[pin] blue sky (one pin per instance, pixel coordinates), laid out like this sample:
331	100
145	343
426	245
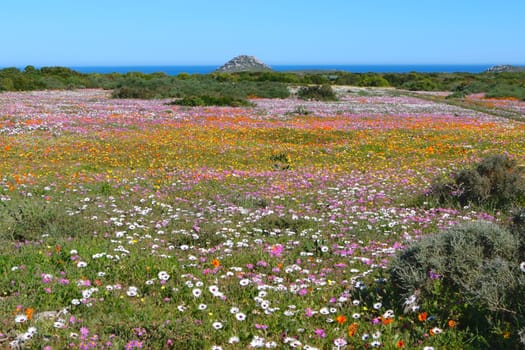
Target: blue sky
199	32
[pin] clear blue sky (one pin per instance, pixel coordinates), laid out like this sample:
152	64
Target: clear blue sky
200	32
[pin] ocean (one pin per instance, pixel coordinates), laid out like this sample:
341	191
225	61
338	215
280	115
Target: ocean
175	70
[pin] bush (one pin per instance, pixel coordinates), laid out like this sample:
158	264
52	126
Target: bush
205	100
319	93
496	182
505	91
469	273
29	219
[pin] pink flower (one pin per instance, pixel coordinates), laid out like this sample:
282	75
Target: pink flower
320	333
308	312
276	250
84	332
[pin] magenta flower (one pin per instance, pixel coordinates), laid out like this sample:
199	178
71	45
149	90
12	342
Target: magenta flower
320	333
276	250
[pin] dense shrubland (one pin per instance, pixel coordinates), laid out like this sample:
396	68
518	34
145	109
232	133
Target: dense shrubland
261	84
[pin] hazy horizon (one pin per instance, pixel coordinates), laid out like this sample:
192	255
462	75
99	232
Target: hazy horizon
203	33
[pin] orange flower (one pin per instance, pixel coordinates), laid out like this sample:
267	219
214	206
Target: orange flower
216	263
341	319
386	321
452	323
29	313
422	316
400	343
352	329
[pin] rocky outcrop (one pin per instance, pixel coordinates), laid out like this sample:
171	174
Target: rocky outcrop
505	68
243	63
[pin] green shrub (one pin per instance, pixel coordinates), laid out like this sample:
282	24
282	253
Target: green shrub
205	100
506	90
318	92
496	182
424	84
518	228
469	273
29	219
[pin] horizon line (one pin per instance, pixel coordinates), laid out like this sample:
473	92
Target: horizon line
270	64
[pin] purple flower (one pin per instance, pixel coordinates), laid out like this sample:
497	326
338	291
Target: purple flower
434	276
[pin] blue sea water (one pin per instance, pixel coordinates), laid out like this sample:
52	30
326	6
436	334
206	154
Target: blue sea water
175	70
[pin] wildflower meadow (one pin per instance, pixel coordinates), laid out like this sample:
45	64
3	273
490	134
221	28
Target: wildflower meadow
136	224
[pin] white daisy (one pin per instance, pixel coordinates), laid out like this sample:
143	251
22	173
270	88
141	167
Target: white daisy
132	291
217	325
389	314
81	264
59	324
436	330
240	316
410	300
214	290
163	276
20	318
234	340
340	342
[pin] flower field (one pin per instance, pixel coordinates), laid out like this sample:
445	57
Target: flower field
131	224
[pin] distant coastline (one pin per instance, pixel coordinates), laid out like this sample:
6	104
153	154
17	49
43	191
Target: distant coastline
206	69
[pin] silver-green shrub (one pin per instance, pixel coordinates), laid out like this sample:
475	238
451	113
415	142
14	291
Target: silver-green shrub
496	182
471	272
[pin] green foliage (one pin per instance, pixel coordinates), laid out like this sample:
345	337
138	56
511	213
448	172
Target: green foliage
281	161
468	273
319	93
300	110
496	182
275	223
205	100
261	84
421	85
505	90
29	219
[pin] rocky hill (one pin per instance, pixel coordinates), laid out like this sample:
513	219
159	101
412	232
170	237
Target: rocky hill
243	63
505	68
